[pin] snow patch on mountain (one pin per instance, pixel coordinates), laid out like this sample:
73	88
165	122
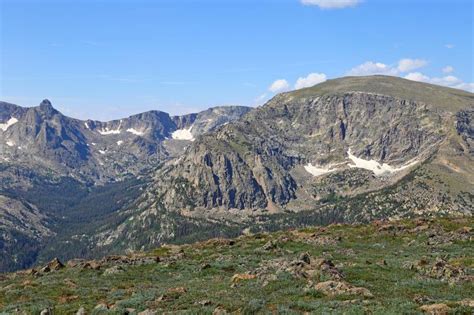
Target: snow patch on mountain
10	122
135	132
374	166
183	134
318	170
107	131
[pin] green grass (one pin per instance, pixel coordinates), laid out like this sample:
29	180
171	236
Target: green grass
440	97
357	253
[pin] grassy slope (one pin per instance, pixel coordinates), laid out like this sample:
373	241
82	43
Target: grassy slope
443	98
205	270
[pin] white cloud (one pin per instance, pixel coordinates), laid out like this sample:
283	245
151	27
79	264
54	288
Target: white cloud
466	86
417	76
449	46
332	4
310	80
279	86
448	69
405	65
449	81
371	68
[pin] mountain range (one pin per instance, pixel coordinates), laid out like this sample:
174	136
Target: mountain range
349	150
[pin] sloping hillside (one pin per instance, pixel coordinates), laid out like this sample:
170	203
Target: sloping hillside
407	266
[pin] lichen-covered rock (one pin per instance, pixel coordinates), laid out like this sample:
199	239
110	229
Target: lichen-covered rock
334	288
436	309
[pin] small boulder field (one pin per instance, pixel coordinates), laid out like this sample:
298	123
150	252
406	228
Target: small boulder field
412	266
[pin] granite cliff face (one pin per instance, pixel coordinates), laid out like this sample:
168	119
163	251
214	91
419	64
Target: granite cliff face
259	161
351	149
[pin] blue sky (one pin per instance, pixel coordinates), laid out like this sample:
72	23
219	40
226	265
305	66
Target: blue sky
109	59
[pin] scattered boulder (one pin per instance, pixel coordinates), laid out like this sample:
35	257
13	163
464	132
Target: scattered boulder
53	265
219	311
465	230
136	259
216	242
81	311
27	283
466	302
94	265
242	276
436	309
147	312
327	267
101	307
204	303
29	272
305	257
74	263
334	288
316	239
441	270
421	299
47	311
270	245
420	228
303	267
70	283
113	270
204	266
391	228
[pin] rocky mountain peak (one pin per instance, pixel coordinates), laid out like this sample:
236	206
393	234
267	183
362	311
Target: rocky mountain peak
47	108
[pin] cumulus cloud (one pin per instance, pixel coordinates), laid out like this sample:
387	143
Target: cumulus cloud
466	86
332	4
405	65
449	46
310	80
371	68
449	81
417	76
448	69
403	68
279	86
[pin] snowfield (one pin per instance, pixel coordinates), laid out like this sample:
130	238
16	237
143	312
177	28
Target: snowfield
135	132
109	132
8	124
377	168
183	134
374	166
318	170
